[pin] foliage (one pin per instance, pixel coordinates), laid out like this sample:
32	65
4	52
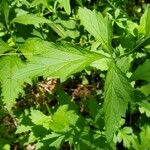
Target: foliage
74	75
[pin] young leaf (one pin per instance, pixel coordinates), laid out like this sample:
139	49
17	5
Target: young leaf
98	26
142	72
4	47
56	60
145	22
63	119
117	95
10	87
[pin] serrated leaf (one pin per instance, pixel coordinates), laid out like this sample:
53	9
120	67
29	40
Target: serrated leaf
38	118
117	95
56	60
98	26
63	119
22	128
4	47
142	72
10	87
126	135
145	22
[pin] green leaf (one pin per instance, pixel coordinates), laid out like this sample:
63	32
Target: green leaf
38	2
142	72
145	108
4	144
6	9
10	87
98	26
144	142
30	19
145	22
54	139
126	135
58	29
145	89
4	47
38	118
117	95
56	60
145	138
63	119
57	142
66	5
22	129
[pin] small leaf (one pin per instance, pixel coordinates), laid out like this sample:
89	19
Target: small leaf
98	26
22	128
117	95
38	118
142	72
145	22
63	119
145	108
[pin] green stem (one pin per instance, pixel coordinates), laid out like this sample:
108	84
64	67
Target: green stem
48	109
